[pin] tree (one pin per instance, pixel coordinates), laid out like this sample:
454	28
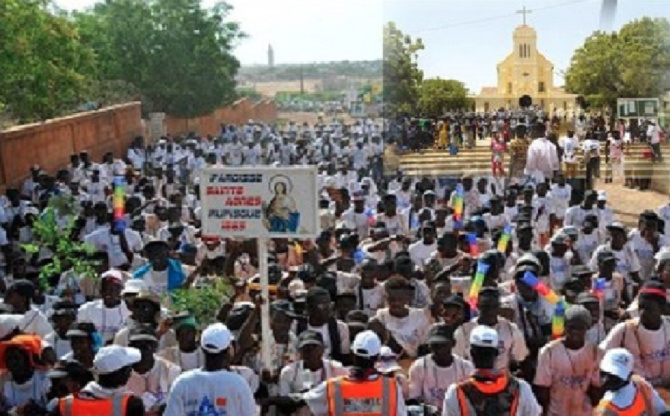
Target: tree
439	95
44	67
401	72
631	63
175	52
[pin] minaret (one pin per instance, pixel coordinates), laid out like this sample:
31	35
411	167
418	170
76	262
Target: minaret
271	57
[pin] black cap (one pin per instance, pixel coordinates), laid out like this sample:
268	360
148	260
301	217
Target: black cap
309	337
64	308
69	368
454	300
580	271
81	329
142	333
617	225
440	333
605	255
586	297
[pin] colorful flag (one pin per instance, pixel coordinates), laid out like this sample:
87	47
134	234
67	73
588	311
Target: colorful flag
482	269
504	238
542	289
119	203
558	320
474	247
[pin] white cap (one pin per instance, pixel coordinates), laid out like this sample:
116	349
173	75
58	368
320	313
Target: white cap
114	275
484	336
618	362
133	286
367	344
115	357
296	286
8	323
215	338
387	361
602	196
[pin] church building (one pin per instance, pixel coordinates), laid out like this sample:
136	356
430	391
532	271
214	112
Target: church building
526	72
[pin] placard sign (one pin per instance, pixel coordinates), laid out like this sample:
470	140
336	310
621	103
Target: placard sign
256	202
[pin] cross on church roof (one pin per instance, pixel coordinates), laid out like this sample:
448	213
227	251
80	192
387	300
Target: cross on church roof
524	12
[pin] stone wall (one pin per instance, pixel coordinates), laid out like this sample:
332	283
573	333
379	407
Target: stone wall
239	112
50	143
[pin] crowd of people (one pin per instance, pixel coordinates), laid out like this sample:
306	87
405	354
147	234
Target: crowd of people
587	139
419	296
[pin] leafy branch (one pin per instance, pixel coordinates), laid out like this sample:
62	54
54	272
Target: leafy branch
202	301
67	253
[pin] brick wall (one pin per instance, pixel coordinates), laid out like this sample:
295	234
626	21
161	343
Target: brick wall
50	144
237	113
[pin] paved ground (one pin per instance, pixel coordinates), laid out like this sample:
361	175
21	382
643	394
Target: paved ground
628	203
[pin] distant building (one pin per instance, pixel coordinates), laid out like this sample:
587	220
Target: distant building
525	72
271	57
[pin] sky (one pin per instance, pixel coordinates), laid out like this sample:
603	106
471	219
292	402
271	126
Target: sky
464	39
300	31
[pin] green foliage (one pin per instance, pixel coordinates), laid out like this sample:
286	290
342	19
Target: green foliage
323	70
402	75
175	52
67	253
631	63
250	93
43	64
282	96
202	301
439	95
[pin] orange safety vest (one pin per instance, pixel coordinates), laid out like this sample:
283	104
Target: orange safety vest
641	406
348	397
477	398
77	406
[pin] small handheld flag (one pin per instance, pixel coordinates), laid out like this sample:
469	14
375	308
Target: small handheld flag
543	290
458	207
598	288
482	269
119	203
474	247
504	238
558	320
370	215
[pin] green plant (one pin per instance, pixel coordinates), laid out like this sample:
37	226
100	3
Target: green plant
67	252
202	301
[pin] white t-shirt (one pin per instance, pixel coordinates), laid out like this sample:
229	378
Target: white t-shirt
61	346
511	343
410	331
35	389
429	382
295	378
108	321
343	331
626	259
184	360
204	392
373	299
560	199
157	381
34	322
568	373
103	240
651	349
420	252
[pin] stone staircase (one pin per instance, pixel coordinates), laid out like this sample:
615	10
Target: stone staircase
440	164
